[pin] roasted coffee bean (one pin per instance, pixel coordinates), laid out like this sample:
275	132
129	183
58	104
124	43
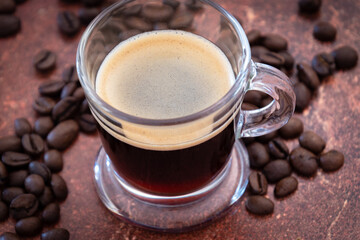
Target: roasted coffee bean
157	12
70	75
272	59
138	23
257	51
40	169
15	159
59	188
8	194
86	15
285	187
254	37
258	155
248	106
24	205
63	134
87	123
68	89
303	96
9	236
309	6
28	227
46	197
84	107
51	213
253	97
17	178
43	126
267	137
193	5
258	183
51	88
312	142
132	10
308	76
10	143
4	212
43	105
259	205
289	60
292	129
3	175
34	184
68	23
345	57
7	6
323	64
33	144
56	234
65	109
22	126
274	42
45	60
266	101
181	20
303	161
172	3
276	170
331	161
79	94
53	160
91	3
324	31
9	25
278	149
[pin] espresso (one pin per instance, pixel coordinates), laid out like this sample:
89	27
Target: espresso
166	75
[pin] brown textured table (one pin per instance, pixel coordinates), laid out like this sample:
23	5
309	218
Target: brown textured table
326	206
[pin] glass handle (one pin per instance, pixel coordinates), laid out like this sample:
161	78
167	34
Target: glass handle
261	121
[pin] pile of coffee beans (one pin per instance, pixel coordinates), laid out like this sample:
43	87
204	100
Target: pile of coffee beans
9	23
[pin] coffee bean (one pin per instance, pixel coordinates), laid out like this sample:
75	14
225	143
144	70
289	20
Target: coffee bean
3	175
68	23
4	212
193	5
33	144
34	184
272	59
181	20
276	170
28	227
266	101
43	126
303	96
323	64
86	15
278	149
274	42
138	23
40	169
259	205
10	143
9	236
84	107
257	51
17	178
68	89
303	161
63	134
345	57
43	105
253	97
87	123
9	25
258	155
70	74
289	60
292	129
46	197
23	206
309	6
285	187
324	31
22	126
58	185
51	213
132	10
7	6
45	60
91	3
56	234
53	160
331	161
308	76
79	94
267	137
248	106
258	183
8	194
65	109
172	3
51	88
15	159
254	37
312	142
157	12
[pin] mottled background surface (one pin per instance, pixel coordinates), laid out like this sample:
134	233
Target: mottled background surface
326	206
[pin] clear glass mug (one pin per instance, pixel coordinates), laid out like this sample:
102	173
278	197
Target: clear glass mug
142	181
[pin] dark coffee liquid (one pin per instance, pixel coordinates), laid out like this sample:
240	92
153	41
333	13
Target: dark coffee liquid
170	172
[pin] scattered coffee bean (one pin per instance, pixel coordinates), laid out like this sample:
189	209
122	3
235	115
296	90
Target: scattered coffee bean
10	143
63	134
289	59
45	60
79	94
285	187
276	170
91	3
254	37
258	183
51	88
9	25
309	6
33	144
248	106
138	23
4	212
7	6
22	126
46	197
267	137
274	42
8	194
40	169
15	159
68	89
272	59
56	234
258	155
84	107
345	57
312	142
43	105
253	97
3	175
70	75
23	206
9	236
28	227
86	15
157	12
257	51
43	126
303	96
292	129
17	178
87	123
181	20
68	23
193	5
172	3
278	149
303	161
324	31
53	160
331	161
323	64
132	10
51	213
58	185
259	205
65	109
308	76
34	184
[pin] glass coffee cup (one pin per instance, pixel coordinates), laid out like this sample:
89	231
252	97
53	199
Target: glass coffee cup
174	173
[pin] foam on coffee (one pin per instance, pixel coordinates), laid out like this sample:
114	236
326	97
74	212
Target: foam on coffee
163	75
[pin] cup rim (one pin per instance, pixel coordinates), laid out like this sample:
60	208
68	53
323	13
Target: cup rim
94	97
